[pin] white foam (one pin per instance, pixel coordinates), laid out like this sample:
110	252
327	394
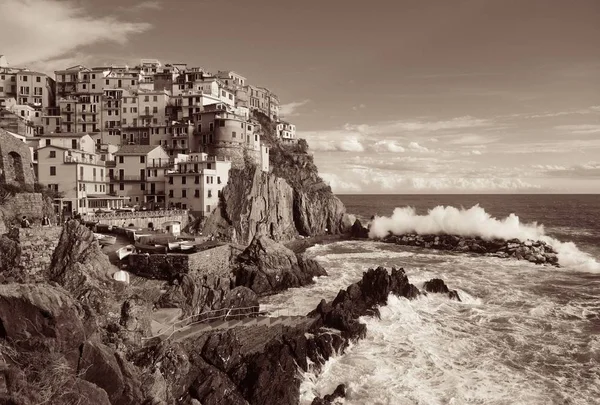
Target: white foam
473	222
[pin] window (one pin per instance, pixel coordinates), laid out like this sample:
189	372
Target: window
170	179
124	121
52	170
124	110
183	180
121	159
142	159
121	186
211	126
218	180
155	120
199	127
183	194
52	153
107	82
146	98
154	110
233	134
208	208
1	89
155	98
170	193
230	97
133	82
24	78
197	193
207	180
142	186
47	142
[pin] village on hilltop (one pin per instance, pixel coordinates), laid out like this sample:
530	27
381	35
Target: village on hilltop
153	136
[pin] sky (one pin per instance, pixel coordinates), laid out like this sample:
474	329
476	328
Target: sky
394	96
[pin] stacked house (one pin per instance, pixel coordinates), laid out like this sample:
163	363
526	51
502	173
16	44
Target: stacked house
152	135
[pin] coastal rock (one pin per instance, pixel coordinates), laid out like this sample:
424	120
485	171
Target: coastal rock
437	285
319	213
213	387
267	267
135	319
253	202
79	265
34	313
339	392
538	252
359	231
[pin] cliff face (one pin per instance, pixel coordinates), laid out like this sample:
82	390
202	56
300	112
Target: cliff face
253	202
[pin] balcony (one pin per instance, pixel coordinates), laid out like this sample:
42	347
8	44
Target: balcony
154	192
126	178
79	159
159	164
111	163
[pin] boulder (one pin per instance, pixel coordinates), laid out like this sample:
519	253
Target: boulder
268	267
339	392
359	231
36	312
437	285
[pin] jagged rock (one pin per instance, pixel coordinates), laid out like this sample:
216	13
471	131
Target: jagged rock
10	255
241	297
359	231
253	202
85	392
79	265
100	365
135	319
318	213
436	285
213	387
267	267
30	312
339	392
222	350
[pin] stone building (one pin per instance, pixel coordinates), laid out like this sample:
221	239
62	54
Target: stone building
16	166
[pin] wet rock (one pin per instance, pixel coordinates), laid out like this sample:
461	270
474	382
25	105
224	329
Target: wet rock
339	392
359	231
436	285
213	387
537	252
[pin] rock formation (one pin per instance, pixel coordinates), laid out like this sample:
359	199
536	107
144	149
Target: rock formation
339	392
358	231
437	285
538	252
267	267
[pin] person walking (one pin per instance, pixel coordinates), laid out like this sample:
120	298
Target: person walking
45	221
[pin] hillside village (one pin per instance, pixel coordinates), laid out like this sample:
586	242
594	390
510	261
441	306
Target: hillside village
153	136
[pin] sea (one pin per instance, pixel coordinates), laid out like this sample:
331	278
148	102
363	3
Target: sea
523	333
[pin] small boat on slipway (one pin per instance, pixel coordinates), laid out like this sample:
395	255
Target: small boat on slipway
125	251
181	246
105	240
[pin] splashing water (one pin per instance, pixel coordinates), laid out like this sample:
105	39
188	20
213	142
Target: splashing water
473	222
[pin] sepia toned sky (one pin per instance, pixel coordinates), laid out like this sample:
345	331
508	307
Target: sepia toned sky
394	96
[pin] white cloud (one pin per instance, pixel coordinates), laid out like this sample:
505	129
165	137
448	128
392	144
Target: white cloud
403	126
146	5
580	128
388	146
55	29
414	146
359	107
290	109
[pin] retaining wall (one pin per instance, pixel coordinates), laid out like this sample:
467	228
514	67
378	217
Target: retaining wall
140	219
34	248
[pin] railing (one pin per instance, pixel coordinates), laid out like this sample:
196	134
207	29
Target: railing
161	164
136	214
154	192
127	178
223	314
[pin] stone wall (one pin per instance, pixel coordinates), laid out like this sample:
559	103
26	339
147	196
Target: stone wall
140	219
172	266
15	161
35	248
31	204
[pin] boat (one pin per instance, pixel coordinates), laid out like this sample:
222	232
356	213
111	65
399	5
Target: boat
107	240
186	246
137	236
125	251
173	245
122	276
104	228
150	248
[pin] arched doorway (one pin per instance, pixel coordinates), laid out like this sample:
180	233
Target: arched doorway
13	170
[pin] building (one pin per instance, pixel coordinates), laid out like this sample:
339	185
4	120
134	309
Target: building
286	131
196	182
69	164
16	165
138	172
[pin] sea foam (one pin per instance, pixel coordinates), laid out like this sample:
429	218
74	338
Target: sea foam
473	222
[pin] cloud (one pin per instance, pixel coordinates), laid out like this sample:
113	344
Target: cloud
589	110
403	126
414	146
350	144
580	128
373	180
388	146
289	110
55	29
359	107
585	170
145	5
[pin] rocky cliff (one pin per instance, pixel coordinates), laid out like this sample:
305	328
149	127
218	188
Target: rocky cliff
289	201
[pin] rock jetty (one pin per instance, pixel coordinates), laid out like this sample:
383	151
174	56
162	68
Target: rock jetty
537	252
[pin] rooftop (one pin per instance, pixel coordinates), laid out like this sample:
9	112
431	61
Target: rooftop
136	149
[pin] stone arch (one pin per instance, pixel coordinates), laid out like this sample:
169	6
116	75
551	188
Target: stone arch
14	165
